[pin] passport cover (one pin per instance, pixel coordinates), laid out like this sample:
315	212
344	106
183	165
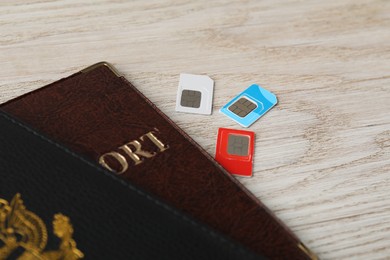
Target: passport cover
57	205
100	115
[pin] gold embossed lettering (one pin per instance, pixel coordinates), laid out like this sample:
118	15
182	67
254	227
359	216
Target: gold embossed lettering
118	157
135	154
155	140
133	150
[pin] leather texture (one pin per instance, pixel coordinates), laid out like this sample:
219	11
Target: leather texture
111	218
94	112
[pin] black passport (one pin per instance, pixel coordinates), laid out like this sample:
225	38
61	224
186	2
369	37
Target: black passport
55	204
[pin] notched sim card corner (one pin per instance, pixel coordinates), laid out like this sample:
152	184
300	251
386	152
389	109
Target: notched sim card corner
249	105
195	94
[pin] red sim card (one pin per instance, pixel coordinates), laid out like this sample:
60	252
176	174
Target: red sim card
235	151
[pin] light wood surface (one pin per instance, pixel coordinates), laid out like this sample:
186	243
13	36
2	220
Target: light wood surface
322	160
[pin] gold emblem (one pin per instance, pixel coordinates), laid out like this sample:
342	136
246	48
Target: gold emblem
24	231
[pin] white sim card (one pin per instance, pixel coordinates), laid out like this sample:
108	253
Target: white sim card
195	94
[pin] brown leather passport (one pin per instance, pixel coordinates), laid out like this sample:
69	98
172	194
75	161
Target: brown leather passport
100	115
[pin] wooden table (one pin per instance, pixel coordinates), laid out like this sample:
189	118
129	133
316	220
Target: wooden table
322	160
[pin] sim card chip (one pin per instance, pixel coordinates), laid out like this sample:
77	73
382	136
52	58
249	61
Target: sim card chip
190	98
242	107
238	145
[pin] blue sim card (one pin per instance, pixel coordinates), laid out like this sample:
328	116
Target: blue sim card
249	105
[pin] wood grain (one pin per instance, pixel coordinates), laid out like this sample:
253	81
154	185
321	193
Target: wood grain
322	160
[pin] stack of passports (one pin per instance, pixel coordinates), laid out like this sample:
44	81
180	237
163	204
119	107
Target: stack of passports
90	168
